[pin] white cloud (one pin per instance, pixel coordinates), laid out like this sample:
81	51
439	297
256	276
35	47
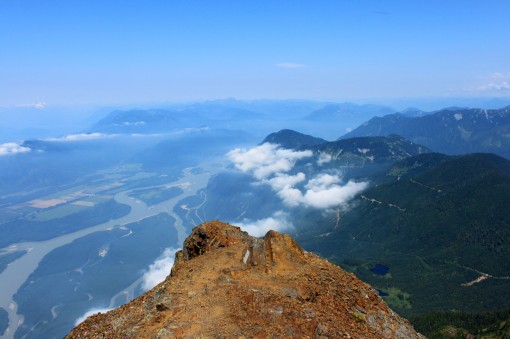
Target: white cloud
280	180
89	313
159	270
291	196
502	86
290	65
81	137
37	105
12	148
258	228
267	159
268	163
496	82
500	75
325	191
322	181
137	123
324	158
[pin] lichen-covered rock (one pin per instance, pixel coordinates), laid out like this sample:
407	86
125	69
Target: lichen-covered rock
227	284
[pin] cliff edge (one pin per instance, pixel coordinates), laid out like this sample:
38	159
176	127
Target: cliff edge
225	283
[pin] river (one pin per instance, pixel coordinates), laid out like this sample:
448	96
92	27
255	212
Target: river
18	271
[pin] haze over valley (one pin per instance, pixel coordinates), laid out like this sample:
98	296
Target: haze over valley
102	211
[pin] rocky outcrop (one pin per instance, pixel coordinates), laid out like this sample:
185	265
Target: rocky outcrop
227	284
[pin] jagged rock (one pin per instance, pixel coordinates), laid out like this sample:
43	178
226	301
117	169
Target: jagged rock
227	284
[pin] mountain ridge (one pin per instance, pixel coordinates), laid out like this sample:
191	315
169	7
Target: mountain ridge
291	139
226	283
450	130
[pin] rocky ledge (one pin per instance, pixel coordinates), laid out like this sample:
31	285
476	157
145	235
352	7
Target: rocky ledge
228	284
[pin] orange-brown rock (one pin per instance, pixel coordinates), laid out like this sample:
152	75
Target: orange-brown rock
227	284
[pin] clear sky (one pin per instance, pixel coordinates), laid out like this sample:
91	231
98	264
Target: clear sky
114	52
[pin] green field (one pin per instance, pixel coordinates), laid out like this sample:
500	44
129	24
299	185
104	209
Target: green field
57	212
29	230
155	195
7	258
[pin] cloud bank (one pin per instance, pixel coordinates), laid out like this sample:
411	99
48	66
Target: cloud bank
324	158
499	82
323	191
326	191
159	270
500	75
80	137
265	160
37	105
503	86
258	228
268	163
12	148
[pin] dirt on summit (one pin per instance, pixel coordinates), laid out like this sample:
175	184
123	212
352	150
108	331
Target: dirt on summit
228	284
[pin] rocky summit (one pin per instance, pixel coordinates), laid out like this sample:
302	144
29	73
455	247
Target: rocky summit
225	283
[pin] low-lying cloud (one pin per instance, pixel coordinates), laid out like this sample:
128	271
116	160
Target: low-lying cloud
258	228
323	191
265	160
326	191
324	158
269	163
159	270
281	180
81	137
11	148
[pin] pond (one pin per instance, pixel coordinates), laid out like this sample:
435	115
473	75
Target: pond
382	293
380	269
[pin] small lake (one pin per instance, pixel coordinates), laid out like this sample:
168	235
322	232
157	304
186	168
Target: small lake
382	293
380	269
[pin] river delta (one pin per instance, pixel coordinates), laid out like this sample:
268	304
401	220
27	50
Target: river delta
160	226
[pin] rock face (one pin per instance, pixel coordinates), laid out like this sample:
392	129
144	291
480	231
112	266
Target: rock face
226	283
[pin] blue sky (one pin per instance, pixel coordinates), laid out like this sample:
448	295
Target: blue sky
117	52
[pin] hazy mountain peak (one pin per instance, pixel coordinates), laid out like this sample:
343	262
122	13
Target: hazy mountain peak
288	138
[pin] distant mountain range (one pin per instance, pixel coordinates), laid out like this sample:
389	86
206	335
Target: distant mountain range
328	118
450	131
348	111
168	120
346	116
